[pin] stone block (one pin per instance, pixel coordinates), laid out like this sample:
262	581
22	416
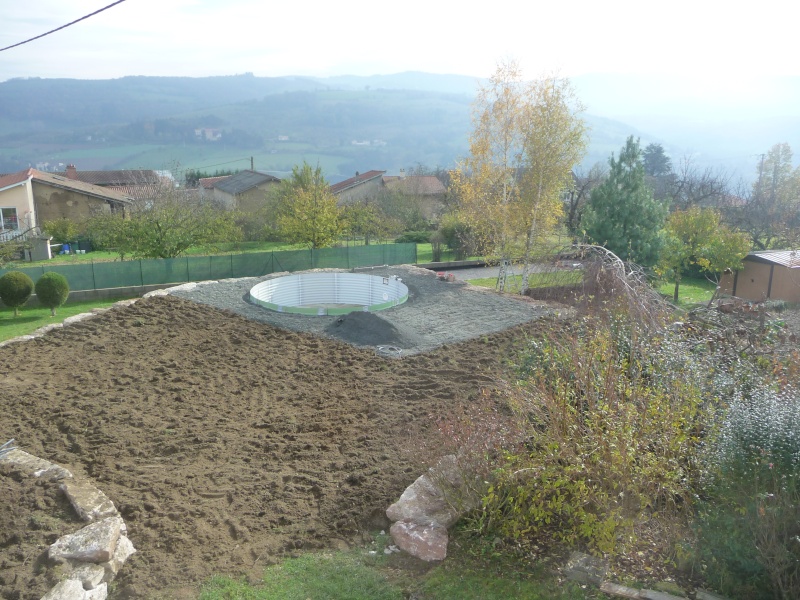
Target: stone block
122	552
90	503
94	543
71	589
34	466
586	569
89	574
656	595
614	589
426	542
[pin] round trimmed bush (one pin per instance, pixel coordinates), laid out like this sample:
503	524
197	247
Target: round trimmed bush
52	290
15	289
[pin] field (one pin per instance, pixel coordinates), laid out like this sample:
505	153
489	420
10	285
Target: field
227	443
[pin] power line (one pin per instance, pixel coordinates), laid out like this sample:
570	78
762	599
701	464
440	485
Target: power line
230	162
63	26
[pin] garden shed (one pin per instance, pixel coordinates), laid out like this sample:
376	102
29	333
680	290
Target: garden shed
767	275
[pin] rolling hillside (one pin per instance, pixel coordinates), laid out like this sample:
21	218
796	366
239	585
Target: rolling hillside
345	124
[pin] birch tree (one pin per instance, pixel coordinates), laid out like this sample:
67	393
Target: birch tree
555	141
526	139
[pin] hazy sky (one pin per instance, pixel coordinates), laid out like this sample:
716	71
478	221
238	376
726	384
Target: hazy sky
327	37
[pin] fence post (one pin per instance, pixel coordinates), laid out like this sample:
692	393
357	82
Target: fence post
94	280
141	273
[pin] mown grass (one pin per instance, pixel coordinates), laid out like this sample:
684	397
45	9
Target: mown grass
32	318
691	291
369	574
535	280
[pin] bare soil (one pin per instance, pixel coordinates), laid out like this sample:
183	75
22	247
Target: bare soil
225	443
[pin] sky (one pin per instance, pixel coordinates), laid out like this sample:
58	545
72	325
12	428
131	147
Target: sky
347	37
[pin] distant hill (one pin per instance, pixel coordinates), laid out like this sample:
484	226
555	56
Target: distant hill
352	123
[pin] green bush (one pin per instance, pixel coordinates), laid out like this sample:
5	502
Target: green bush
52	290
15	289
749	519
613	419
63	231
414	237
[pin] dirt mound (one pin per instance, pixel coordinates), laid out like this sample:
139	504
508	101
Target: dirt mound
225	443
368	329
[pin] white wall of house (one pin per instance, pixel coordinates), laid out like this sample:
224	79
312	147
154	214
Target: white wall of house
17	199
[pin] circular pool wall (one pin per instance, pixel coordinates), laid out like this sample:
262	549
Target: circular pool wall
329	293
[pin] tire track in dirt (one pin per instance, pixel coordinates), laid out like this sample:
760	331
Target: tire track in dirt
227	443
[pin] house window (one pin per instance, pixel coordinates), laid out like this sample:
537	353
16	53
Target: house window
8	218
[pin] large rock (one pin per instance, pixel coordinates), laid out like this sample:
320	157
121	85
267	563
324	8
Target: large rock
71	589
427	542
122	552
89	574
31	465
94	543
90	503
438	497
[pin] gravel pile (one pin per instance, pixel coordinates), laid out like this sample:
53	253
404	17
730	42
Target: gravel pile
436	313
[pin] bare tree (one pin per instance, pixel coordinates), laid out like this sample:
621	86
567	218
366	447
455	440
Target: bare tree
577	196
690	185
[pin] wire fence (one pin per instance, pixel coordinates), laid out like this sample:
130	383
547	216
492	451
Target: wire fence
139	273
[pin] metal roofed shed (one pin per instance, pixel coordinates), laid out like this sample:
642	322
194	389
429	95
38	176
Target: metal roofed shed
329	293
768	275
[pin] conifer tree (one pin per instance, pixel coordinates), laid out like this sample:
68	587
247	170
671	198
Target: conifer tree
622	214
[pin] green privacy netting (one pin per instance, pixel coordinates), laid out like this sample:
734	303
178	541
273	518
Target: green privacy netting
135	273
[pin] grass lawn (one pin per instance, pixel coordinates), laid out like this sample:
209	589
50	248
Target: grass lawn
535	280
369	574
32	317
425	254
691	291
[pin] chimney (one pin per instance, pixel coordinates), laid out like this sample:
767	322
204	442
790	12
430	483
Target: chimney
72	172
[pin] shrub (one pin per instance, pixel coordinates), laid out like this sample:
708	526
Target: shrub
613	419
52	290
414	237
749	519
63	231
15	289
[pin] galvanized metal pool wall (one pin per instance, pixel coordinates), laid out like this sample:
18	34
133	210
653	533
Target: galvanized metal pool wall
329	293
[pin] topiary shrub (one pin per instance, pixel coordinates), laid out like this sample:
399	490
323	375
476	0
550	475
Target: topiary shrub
15	289
52	290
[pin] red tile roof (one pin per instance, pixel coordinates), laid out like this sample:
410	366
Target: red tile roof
207	183
79	186
359	179
418	185
12	178
118	178
138	192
